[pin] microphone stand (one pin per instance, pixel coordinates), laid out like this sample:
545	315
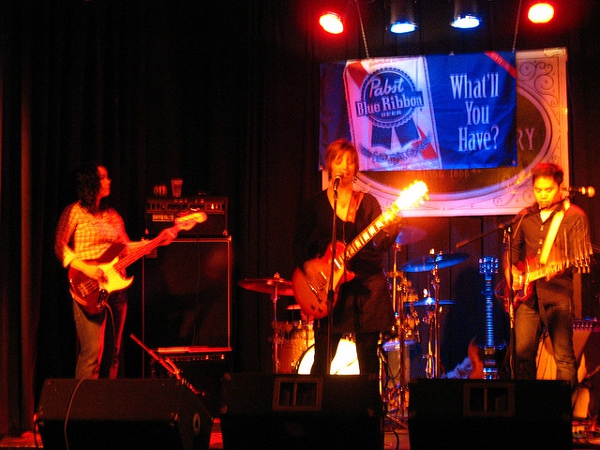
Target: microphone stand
167	364
330	292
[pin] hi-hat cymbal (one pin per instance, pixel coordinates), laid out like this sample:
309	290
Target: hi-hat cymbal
268	285
429	262
410	235
430	301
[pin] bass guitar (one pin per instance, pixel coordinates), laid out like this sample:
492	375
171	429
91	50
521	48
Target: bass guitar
486	361
530	271
92	295
311	284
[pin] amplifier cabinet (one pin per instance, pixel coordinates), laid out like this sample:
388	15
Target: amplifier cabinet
187	294
162	211
586	344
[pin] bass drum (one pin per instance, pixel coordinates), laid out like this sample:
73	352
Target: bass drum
345	361
292	348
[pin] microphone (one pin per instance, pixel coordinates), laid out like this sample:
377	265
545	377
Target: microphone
336	182
588	191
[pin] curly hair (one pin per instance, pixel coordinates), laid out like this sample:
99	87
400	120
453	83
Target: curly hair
88	185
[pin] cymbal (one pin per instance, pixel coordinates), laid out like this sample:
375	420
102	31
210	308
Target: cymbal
268	285
430	301
427	263
410	235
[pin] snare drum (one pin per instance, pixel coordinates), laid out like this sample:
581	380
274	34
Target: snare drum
393	361
345	361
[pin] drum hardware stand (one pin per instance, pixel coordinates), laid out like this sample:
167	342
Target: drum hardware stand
434	325
273	286
433	262
400	390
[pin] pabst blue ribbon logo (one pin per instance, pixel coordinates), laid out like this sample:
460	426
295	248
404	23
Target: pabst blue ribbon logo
388	98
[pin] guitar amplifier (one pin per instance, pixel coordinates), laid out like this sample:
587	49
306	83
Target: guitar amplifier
162	211
586	344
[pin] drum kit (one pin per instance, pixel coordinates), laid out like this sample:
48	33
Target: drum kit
293	342
406	332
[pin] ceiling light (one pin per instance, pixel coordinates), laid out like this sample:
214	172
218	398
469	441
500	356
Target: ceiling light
331	22
541	13
465	14
402	17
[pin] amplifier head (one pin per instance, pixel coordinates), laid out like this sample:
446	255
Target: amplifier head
162	211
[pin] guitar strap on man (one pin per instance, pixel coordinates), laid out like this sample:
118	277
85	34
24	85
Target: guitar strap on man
553	231
353	206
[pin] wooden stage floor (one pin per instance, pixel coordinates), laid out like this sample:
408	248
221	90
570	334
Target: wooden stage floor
396	437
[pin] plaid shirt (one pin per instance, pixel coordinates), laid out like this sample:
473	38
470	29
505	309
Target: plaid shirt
86	236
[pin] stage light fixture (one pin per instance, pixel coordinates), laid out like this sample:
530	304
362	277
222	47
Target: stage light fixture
465	14
402	16
331	22
541	12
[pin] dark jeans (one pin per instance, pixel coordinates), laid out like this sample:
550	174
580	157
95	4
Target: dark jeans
553	310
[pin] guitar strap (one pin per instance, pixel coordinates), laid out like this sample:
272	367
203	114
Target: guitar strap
551	236
353	206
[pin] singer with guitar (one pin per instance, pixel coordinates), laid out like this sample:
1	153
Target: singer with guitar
363	304
550	237
86	231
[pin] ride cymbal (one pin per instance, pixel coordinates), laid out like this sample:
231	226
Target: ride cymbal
268	285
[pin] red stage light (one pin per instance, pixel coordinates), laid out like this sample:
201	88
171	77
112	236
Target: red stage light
331	22
541	12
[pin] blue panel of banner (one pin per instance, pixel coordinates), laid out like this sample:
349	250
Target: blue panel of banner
423	113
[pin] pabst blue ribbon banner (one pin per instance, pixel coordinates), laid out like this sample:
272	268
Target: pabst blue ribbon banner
423	113
471	126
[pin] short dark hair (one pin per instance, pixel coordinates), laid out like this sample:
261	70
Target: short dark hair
548	170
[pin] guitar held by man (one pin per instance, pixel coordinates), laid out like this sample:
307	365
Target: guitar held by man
525	273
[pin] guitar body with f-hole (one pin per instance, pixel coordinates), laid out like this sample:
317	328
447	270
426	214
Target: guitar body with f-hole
92	295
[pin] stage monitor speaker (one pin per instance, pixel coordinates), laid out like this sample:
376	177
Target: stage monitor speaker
262	411
122	414
187	294
204	371
490	414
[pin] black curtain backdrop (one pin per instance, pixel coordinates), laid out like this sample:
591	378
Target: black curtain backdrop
225	95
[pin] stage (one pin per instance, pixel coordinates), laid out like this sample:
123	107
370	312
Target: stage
263	411
395	438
